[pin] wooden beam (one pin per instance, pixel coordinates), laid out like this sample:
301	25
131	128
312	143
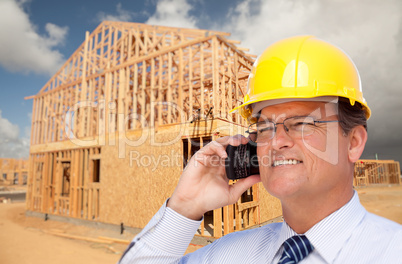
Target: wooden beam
247	205
30	97
115	240
88	239
231	41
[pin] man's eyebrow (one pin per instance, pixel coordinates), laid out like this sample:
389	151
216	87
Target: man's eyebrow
286	117
272	120
264	119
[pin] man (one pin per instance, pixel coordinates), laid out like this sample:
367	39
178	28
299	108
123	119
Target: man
308	118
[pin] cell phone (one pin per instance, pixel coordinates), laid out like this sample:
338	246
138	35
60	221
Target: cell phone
242	161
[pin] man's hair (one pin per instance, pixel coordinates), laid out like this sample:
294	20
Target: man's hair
350	116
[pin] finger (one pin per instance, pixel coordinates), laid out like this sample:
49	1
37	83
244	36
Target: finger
218	146
214	148
232	140
245	140
238	188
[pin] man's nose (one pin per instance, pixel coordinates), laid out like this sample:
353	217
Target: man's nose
281	138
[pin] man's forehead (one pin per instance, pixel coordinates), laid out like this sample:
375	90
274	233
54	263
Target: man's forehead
257	107
283	110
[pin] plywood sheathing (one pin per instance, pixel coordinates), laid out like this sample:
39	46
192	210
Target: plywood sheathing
139	185
136	186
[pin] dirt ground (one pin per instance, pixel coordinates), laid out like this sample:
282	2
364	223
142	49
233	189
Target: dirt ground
383	201
32	240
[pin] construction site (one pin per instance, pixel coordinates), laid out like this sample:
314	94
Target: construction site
113	129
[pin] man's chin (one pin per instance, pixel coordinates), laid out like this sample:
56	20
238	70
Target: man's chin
283	187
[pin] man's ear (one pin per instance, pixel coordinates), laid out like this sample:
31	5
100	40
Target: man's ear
357	141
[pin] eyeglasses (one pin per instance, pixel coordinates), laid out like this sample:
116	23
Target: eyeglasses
296	127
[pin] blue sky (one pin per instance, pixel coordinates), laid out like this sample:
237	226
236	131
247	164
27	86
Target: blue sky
37	36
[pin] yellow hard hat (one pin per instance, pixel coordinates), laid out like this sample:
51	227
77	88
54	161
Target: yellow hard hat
302	67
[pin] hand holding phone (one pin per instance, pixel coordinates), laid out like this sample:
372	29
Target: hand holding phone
204	186
242	161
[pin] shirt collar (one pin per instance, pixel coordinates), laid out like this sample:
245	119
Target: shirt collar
329	235
338	226
284	233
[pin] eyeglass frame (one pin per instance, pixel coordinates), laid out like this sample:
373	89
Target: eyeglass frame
285	127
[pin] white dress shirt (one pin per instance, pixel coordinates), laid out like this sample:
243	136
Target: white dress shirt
349	235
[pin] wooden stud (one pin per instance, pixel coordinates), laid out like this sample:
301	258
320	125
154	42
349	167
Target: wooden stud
169	95
217	222
135	98
231	218
238	217
160	90
142	87
180	88
226	220
202	107
152	91
190	81
121	97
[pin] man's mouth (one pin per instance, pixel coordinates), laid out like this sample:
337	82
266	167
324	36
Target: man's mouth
286	162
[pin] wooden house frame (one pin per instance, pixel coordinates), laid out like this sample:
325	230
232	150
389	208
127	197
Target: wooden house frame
114	127
13	171
368	172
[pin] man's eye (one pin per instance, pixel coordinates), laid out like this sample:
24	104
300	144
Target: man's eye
301	125
266	129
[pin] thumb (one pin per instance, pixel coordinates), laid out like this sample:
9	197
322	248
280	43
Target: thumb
241	186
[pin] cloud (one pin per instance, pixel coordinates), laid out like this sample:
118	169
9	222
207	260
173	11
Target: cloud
11	144
57	34
23	49
173	13
122	15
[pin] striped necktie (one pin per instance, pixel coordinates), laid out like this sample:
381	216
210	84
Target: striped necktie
295	249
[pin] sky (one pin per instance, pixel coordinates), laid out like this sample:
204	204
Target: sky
38	36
